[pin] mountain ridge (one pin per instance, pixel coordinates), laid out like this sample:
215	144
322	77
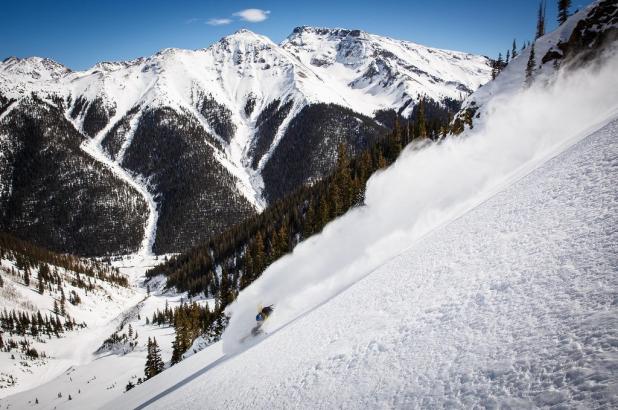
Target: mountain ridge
246	99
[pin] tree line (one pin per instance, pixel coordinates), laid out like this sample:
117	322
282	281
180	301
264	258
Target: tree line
500	63
232	260
30	256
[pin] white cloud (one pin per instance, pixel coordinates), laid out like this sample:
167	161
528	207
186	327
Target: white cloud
252	15
218	22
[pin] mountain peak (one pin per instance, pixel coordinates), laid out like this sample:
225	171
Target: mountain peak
323	31
244	33
243	38
34	67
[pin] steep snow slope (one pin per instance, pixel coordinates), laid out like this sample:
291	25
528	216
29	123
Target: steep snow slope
511	304
520	133
465	289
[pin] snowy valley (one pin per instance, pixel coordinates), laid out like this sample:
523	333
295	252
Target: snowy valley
113	325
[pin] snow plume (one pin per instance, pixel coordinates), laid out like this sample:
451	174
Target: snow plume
429	187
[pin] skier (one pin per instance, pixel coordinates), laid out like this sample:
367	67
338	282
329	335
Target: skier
263	314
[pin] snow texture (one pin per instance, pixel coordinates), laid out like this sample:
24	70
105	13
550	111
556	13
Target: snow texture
491	283
76	366
512	305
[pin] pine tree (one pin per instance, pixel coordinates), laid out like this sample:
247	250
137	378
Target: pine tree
157	361
396	140
323	212
180	343
343	177
514	50
340	187
149	369
309	222
540	23
422	127
508	56
336	203
497	66
177	348
27	276
259	255
283	239
62	302
530	66
563	10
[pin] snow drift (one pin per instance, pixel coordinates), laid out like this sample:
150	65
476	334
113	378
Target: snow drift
430	187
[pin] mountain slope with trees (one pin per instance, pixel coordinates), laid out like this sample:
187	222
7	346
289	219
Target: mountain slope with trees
205	136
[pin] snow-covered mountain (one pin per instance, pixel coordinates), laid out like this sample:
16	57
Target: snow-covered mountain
490	283
498	292
239	117
372	72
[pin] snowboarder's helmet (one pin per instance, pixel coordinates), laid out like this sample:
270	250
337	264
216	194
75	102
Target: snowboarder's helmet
259	317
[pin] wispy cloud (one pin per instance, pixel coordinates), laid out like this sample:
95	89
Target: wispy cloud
252	15
218	21
192	20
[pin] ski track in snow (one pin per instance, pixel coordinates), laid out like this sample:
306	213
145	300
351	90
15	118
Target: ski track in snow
532	321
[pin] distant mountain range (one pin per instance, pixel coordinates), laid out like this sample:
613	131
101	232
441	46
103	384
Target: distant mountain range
158	153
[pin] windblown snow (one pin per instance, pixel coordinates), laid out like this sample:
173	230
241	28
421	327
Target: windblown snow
488	281
482	271
512	305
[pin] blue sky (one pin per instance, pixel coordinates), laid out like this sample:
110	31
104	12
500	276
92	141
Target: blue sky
82	33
